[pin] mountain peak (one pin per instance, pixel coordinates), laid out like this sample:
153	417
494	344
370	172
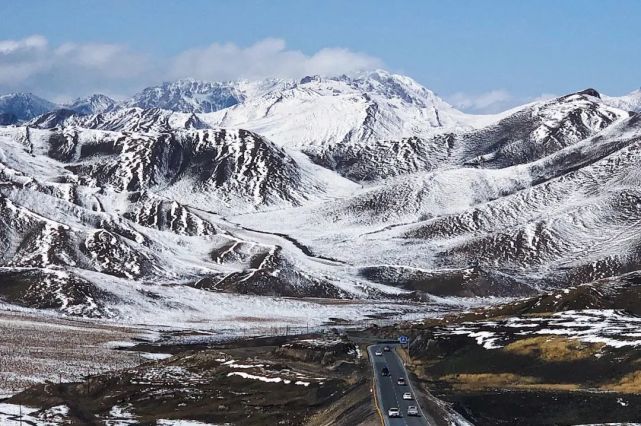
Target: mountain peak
93	104
590	92
629	102
21	95
188	95
310	78
24	105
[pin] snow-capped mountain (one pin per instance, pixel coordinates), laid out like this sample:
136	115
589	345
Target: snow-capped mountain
199	96
313	111
539	130
223	167
94	104
122	119
527	134
356	187
188	96
20	107
562	220
629	102
24	106
316	112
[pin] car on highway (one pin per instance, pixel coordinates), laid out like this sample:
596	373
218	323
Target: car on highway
386	348
401	381
407	396
412	410
394	412
378	353
384	371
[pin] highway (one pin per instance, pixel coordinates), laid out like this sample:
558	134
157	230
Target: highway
388	393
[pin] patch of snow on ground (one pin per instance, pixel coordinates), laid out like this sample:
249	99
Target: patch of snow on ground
261	378
155	356
121	415
14	415
55	415
232	364
613	328
165	422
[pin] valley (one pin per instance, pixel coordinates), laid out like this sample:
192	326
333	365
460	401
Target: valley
247	241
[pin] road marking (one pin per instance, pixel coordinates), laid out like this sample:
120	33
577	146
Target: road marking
392	363
409	383
396	389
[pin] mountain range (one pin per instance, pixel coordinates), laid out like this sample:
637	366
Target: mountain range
199	200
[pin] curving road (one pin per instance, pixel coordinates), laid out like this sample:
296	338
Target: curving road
388	393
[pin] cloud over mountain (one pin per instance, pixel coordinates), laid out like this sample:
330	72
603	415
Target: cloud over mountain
34	64
266	58
492	101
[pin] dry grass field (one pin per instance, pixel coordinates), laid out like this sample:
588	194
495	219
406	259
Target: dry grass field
35	348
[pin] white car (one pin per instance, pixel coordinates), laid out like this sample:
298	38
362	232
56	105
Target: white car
394	412
412	410
378	353
407	396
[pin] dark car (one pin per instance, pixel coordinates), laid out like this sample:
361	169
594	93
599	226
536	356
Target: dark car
401	381
386	348
385	371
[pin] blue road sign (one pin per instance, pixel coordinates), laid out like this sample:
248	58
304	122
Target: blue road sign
403	339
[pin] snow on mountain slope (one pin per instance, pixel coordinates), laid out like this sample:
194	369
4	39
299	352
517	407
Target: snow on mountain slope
150	210
629	102
215	168
43	231
571	229
68	227
35	252
151	206
94	104
566	218
318	111
383	159
527	134
524	135
127	120
43	288
24	106
540	130
200	96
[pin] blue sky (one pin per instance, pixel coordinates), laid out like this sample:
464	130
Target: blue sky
479	55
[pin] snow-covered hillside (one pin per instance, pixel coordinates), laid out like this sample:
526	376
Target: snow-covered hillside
94	104
193	197
629	102
201	96
317	111
23	106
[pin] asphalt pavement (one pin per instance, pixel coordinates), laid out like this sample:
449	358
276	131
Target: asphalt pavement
388	392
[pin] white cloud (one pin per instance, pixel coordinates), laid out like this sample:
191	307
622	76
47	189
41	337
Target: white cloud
70	69
266	58
11	46
488	102
544	97
112	61
73	69
494	101
20	59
